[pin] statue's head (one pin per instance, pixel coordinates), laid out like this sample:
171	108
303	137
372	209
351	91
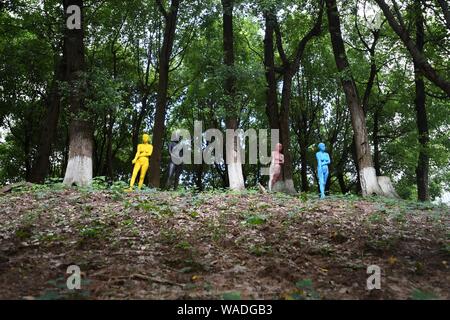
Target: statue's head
321	146
145	138
175	136
278	147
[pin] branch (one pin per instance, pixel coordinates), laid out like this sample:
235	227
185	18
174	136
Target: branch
444	6
418	57
162	9
314	32
279	41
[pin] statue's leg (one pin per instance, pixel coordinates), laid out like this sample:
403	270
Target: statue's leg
270	177
178	169
276	176
170	177
321	185
325	179
136	169
143	173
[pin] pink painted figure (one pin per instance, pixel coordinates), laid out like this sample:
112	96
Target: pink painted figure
275	166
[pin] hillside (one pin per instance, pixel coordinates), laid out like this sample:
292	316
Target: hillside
214	245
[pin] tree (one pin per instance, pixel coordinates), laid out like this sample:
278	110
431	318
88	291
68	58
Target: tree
421	111
279	116
170	23
233	149
79	166
367	174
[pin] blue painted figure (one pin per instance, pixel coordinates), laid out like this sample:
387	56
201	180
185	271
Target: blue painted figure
323	160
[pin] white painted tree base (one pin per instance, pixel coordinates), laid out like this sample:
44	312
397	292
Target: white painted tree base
371	184
235	176
286	186
385	184
79	171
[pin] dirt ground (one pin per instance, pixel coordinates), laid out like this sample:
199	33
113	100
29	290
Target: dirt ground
219	245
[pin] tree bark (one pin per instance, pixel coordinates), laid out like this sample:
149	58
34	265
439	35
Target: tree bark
79	166
421	113
269	64
419	58
165	54
376	140
367	174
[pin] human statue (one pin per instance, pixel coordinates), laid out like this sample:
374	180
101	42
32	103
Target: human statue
323	160
275	166
141	162
174	168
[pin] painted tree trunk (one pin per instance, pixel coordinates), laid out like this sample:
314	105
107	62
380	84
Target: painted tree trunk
367	173
79	165
233	150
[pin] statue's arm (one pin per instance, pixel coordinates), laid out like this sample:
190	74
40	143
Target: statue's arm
319	162
137	153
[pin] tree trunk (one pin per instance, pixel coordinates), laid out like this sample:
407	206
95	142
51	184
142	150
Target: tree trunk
269	64
285	134
376	140
421	113
163	85
233	150
79	166
419	58
304	167
367	174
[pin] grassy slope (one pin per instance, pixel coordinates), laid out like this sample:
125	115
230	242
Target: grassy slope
161	245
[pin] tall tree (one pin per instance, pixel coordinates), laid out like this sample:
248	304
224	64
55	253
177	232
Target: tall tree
288	69
421	111
79	166
367	174
233	149
170	23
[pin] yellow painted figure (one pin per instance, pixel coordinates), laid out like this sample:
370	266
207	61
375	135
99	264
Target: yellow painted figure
140	161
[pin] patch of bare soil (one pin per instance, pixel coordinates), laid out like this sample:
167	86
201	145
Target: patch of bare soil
182	245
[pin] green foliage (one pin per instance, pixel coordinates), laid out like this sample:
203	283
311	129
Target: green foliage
423	295
119	86
255	220
231	295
